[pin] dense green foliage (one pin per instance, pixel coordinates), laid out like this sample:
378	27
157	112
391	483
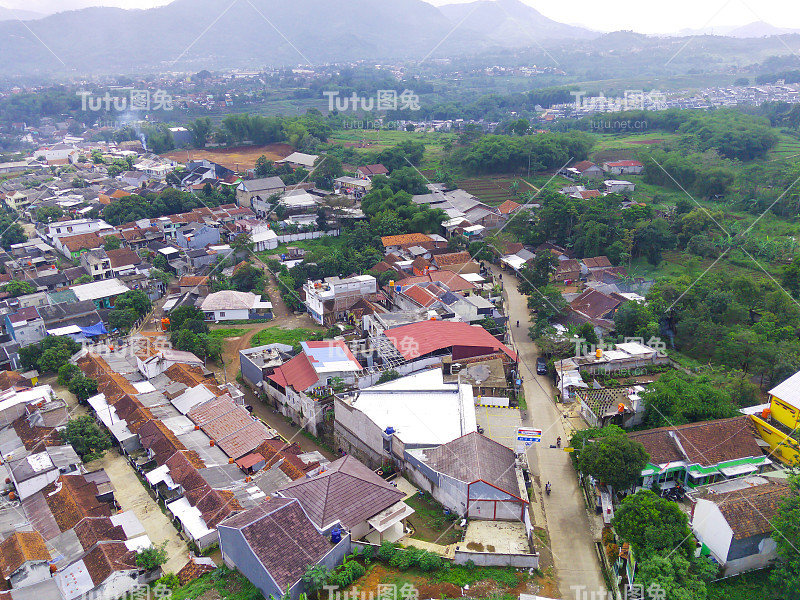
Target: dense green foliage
614	460
49	355
86	438
676	399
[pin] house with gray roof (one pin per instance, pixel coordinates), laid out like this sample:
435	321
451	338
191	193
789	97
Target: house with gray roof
273	544
473	476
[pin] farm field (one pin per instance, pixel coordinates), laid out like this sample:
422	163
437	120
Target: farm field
239	158
373	140
787	147
494	190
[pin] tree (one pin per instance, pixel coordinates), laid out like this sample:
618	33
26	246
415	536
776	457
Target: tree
677	399
264	167
248	278
14	234
200	130
242	244
83	387
122	319
587	332
161	276
47	214
389	375
786	527
179	317
67	373
652	524
112	243
160	262
135	300
652	238
18	288
84	279
617	461
676	577
326	169
86	438
152	557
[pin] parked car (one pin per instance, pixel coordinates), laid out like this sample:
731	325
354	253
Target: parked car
541	366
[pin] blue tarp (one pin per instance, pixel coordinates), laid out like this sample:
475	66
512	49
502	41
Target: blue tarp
94	330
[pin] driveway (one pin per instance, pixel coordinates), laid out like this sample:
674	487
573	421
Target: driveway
131	495
499	424
571	538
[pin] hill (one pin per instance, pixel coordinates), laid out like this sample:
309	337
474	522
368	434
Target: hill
511	22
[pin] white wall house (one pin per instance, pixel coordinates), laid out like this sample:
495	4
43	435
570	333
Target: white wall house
229	305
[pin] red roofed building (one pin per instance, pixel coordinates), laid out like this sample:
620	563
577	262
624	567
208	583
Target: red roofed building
624	167
445	338
301	388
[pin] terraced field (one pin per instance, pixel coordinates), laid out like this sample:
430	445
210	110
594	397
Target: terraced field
493	190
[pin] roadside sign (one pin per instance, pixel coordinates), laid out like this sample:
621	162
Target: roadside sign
528	435
569	449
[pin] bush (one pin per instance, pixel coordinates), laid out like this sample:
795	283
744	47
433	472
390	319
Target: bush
387	551
152	557
169	580
429	561
368	553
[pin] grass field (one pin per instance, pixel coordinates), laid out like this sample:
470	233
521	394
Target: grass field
239	158
372	140
290	337
228	333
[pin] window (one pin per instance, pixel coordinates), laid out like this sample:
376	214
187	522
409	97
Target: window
222	314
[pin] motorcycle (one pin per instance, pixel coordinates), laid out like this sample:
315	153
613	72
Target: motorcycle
547	488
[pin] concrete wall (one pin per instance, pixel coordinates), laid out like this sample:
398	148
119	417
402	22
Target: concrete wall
237	554
764	552
251	372
711	528
487	559
311	235
357	434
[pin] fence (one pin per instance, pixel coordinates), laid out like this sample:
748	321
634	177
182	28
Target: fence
494	559
309	235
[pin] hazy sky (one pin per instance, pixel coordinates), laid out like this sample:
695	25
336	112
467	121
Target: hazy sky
646	16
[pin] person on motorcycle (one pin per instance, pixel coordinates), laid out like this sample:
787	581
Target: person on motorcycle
517	323
547	488
558	441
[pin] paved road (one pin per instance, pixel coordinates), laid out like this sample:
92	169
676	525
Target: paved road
571	538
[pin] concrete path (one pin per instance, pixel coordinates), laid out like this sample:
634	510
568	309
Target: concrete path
568	525
131	495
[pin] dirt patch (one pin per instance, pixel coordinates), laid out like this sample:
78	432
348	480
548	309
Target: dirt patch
211	594
377	575
475	547
645	142
239	158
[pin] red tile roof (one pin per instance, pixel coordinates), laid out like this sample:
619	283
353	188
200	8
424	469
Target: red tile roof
750	511
281	523
706	443
345	491
419	295
404	239
19	548
418	339
508	207
454	258
298	373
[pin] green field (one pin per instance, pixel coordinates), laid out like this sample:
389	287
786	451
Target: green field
372	140
290	337
228	333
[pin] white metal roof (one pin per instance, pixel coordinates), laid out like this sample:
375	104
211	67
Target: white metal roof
788	391
100	289
422	409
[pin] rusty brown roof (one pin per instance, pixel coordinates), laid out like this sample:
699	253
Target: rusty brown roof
749	512
19	548
706	443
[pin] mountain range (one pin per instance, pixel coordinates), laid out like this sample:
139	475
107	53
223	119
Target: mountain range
187	35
